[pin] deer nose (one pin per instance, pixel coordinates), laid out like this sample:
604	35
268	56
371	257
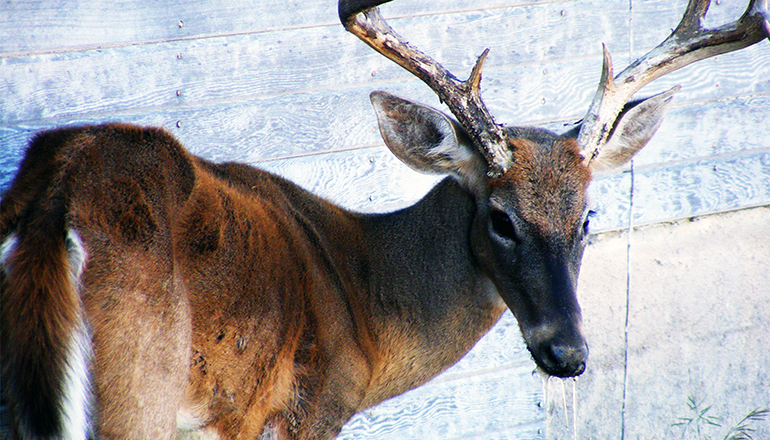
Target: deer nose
564	360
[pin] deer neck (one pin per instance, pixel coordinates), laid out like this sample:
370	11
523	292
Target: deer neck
428	301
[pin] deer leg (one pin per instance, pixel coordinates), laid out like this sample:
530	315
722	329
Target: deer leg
337	404
141	334
339	397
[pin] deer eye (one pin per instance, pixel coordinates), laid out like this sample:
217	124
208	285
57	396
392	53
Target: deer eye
503	226
587	222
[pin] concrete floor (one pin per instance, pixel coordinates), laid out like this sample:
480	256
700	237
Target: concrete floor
672	312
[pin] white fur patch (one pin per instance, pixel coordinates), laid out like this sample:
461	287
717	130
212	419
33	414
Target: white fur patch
450	147
187	421
78	397
197	434
5	250
77	257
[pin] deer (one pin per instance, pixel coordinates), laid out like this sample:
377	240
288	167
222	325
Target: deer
150	293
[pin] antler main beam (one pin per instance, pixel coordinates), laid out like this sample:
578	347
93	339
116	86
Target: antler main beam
688	43
363	19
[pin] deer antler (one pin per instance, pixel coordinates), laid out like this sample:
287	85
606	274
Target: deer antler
363	19
688	43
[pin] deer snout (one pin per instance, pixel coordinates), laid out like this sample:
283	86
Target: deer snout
563	359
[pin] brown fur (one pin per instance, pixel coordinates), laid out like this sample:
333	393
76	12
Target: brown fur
550	185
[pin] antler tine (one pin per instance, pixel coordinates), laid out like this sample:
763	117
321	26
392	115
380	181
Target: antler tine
688	43
762	9
363	19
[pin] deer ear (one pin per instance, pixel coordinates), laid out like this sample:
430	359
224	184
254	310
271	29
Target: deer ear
633	129
426	139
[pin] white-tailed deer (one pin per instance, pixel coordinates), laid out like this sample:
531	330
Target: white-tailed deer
147	292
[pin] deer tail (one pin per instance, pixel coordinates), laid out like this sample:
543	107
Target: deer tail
46	340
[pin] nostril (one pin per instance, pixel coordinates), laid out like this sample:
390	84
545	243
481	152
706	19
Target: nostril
558	353
566	360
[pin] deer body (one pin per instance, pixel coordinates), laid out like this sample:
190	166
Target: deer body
249	302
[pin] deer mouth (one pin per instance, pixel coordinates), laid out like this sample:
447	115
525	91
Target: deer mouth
562	360
558	353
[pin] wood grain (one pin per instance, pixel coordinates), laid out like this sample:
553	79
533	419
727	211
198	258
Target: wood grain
704	186
38	27
61	89
490	403
266	64
342	119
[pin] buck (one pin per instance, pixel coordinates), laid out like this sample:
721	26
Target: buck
148	293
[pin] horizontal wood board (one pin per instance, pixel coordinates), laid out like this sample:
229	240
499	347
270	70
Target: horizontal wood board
280	85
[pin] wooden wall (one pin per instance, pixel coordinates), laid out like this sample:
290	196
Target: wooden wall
281	85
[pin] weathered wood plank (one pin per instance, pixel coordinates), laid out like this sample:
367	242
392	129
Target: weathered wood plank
743	73
36	26
62	88
243	67
289	125
718	128
704	186
610	201
249	132
50	26
502	348
653	20
458	409
382	182
682	190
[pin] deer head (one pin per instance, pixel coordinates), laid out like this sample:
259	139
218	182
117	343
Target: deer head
529	184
